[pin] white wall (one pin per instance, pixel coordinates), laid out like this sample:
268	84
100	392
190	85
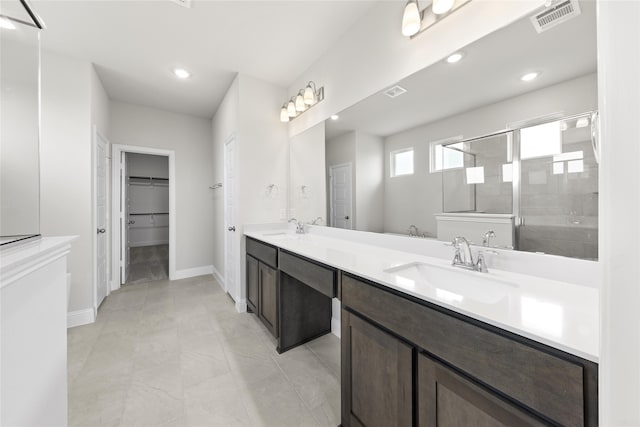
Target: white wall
65	167
375	43
369	182
414	199
308	170
190	138
618	70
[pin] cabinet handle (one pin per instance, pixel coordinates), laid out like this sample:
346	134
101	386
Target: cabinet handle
232	228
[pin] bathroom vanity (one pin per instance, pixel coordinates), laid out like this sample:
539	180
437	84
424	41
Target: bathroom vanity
426	344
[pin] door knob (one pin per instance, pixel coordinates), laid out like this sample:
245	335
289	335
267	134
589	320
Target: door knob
232	228
132	221
101	230
346	217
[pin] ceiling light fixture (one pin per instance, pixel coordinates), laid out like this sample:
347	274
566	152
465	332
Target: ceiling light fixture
411	19
298	104
456	57
529	76
181	73
335	117
415	20
7	24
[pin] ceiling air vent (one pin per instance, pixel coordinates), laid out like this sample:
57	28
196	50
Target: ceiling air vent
394	91
555	15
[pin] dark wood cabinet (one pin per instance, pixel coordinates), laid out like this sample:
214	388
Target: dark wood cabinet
447	399
378	382
253	284
465	372
268	299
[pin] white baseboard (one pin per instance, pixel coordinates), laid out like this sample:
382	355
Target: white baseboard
241	306
335	326
218	277
192	272
81	317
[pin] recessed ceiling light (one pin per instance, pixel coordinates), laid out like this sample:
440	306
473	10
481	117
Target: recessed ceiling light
6	24
181	73
529	76
335	117
452	59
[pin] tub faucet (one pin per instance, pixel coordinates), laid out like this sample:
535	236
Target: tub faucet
486	240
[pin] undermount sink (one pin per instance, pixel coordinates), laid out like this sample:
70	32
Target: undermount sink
454	284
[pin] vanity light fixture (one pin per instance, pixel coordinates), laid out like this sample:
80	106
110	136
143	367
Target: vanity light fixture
440	7
7	24
456	57
529	76
301	102
181	73
411	19
335	117
416	20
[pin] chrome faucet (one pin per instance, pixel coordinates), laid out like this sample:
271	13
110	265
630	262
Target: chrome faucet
413	230
299	226
463	257
486	240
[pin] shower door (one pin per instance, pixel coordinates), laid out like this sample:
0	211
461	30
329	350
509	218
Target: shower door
558	191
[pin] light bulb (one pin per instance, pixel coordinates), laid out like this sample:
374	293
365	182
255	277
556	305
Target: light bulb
291	109
441	6
528	77
452	59
309	95
284	115
411	19
300	105
181	73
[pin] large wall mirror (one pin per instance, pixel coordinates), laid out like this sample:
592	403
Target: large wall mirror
20	119
498	138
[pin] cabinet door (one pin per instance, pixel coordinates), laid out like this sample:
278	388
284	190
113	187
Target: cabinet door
446	399
377	373
268	305
253	283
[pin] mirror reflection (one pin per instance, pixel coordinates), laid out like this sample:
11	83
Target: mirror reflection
497	139
19	133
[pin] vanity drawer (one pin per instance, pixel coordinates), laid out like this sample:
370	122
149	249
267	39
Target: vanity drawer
265	253
320	278
535	377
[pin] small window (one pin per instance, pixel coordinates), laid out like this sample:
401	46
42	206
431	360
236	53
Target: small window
402	162
443	158
541	141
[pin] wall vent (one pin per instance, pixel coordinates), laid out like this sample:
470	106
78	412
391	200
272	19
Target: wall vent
555	15
183	3
394	91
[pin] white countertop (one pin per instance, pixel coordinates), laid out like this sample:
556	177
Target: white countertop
21	258
562	315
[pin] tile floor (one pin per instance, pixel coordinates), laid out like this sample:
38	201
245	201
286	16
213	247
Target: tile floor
176	353
148	263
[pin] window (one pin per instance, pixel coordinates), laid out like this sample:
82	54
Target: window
445	155
540	141
402	162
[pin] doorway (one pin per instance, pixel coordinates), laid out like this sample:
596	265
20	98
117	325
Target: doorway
340	197
101	217
144	215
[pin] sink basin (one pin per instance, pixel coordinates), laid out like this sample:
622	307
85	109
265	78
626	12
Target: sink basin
454	284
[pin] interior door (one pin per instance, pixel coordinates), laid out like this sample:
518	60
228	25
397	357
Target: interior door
101	218
341	196
124	220
231	245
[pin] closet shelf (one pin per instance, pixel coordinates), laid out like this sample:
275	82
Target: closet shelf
150	213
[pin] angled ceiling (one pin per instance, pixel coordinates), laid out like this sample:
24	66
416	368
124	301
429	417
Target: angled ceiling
135	44
489	72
